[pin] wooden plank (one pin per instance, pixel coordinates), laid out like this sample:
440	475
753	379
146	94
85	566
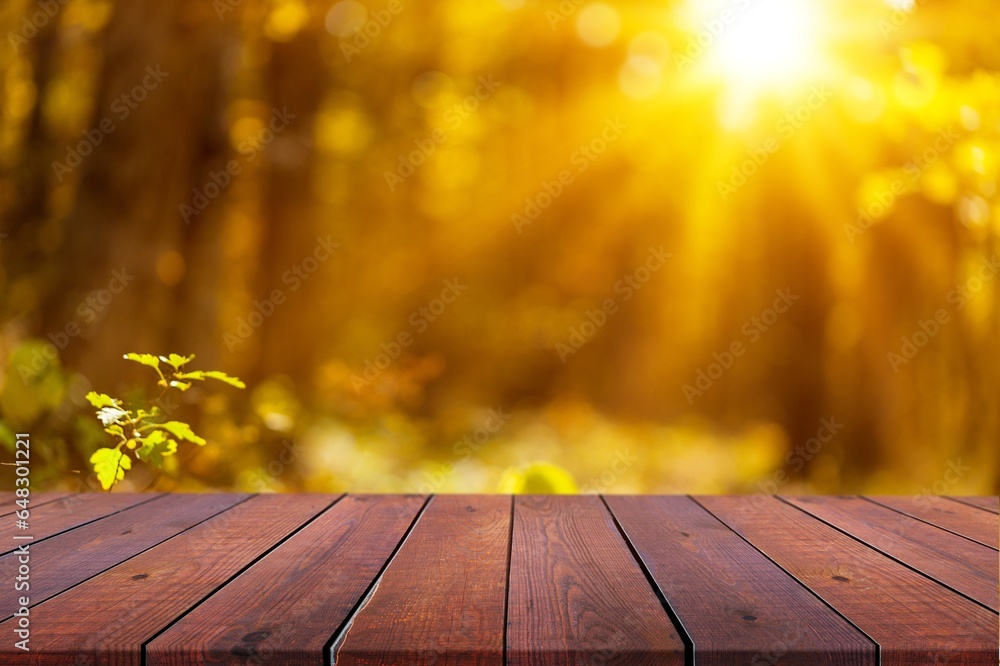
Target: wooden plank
987	502
74	556
441	601
35	500
67	513
288	606
737	606
106	619
915	620
577	595
965	566
968	521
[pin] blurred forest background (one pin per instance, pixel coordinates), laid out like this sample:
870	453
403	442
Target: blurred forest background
432	238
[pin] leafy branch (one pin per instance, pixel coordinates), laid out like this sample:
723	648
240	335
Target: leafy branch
142	432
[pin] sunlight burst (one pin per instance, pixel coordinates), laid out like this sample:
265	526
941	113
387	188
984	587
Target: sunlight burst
772	44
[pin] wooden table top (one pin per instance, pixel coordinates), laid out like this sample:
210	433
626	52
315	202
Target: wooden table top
494	579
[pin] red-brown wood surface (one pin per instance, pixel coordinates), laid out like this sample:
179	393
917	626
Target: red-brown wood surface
107	619
736	606
577	596
964	565
915	620
969	521
64	514
441	600
988	502
489	580
35	500
292	602
76	555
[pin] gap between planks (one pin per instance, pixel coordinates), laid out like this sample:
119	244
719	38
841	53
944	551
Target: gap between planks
333	645
240	572
887	555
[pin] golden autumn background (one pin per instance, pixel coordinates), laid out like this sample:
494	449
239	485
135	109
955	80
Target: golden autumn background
509	245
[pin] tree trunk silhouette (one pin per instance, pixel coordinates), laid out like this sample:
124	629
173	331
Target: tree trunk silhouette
126	213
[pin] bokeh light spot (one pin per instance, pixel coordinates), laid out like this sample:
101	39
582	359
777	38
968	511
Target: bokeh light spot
345	18
650	45
170	268
432	89
640	77
598	24
286	19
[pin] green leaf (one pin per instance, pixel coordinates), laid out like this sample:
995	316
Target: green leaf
110	466
176	360
99	400
142	414
155	447
179	430
223	377
180	386
202	375
144	359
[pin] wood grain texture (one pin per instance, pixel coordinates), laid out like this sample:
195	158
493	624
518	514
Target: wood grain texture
287	607
35	500
441	600
963	519
67	513
966	566
398	580
106	619
987	502
577	595
915	620
734	603
74	556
